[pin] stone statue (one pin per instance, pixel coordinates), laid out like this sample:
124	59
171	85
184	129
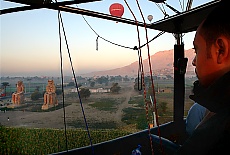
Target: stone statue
18	96
50	98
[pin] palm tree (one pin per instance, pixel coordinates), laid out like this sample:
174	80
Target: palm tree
5	84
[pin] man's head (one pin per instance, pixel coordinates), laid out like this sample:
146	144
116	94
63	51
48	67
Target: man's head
212	45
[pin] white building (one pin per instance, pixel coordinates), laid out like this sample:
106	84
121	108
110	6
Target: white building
99	90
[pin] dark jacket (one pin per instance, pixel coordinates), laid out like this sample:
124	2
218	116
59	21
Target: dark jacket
213	136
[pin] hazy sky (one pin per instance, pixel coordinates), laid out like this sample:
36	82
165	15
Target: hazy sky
30	39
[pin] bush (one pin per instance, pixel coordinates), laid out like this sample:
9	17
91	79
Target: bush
58	91
35	95
161	108
115	88
84	92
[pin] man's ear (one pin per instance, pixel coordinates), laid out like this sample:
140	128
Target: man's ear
223	49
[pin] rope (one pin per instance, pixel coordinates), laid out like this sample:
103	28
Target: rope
87	128
62	78
162	9
181	6
153	91
158	35
98	36
146	105
140	68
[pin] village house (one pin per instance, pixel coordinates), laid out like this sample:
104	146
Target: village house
99	90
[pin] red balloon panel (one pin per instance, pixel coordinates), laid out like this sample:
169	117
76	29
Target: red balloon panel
116	9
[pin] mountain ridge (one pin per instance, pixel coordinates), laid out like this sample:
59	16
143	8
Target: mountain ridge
161	64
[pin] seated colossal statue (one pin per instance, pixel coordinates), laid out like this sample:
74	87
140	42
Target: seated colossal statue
18	96
50	98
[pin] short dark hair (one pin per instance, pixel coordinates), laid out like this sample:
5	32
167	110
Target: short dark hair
216	24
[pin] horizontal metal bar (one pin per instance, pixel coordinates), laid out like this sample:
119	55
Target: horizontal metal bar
59	6
100	15
18	9
43	2
32	6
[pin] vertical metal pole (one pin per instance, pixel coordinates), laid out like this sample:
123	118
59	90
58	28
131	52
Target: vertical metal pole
179	82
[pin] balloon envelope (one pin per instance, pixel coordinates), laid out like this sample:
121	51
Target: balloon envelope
116	9
150	17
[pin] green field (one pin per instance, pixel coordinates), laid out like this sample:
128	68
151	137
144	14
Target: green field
22	141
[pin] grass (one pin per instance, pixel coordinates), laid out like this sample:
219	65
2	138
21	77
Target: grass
137	101
137	114
106	104
33	107
93	125
132	115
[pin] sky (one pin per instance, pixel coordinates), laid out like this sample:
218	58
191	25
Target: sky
30	44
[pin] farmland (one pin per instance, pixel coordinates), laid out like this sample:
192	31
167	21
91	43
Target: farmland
24	141
108	116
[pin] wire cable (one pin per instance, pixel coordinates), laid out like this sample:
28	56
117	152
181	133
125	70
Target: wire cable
98	36
87	128
164	10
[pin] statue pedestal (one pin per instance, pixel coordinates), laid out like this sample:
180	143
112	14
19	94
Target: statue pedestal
47	106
